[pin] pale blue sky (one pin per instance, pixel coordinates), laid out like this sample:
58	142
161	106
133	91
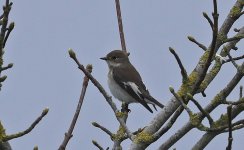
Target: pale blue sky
44	76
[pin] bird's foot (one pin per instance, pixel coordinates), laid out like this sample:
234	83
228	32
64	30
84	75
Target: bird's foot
125	108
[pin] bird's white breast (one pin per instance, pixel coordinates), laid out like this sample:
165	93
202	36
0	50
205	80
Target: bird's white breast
117	91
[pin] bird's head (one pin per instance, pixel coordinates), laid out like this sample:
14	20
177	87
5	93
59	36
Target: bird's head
116	58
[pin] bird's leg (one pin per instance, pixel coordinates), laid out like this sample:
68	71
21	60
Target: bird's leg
125	107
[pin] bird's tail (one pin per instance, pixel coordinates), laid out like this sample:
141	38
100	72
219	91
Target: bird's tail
154	102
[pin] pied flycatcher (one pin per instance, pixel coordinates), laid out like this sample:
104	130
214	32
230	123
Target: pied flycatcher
125	82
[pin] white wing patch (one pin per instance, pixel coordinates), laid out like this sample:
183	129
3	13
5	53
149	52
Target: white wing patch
222	59
134	87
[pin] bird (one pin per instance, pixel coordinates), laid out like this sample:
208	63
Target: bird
125	83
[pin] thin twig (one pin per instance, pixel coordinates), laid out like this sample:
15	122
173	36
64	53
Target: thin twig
180	100
230	139
235	58
241	92
235	38
33	125
233	62
95	124
120	24
224	128
68	134
171	122
212	48
10	29
208	19
97	145
241	101
103	92
201	109
183	70
7	67
190	38
4	23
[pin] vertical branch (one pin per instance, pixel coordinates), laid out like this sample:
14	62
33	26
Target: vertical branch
121	32
241	91
68	134
212	48
230	139
3	35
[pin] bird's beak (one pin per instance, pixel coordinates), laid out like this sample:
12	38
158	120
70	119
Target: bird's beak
104	58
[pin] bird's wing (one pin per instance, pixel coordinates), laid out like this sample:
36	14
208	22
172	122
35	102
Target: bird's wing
132	84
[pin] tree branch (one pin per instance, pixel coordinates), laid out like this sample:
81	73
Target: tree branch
3	38
69	134
97	145
28	130
211	52
183	70
241	91
192	39
233	62
7	67
95	124
210	120
230	139
235	58
216	101
207	137
181	101
171	122
9	30
205	15
120	24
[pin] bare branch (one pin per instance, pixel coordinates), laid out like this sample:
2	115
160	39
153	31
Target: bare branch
207	137
171	122
95	124
196	42
7	67
208	19
201	109
230	139
181	101
121	32
4	24
9	30
216	101
235	38
183	70
68	134
241	101
212	48
28	130
235	58
97	145
176	136
241	91
233	62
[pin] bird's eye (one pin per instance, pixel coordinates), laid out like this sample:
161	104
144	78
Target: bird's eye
114	57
